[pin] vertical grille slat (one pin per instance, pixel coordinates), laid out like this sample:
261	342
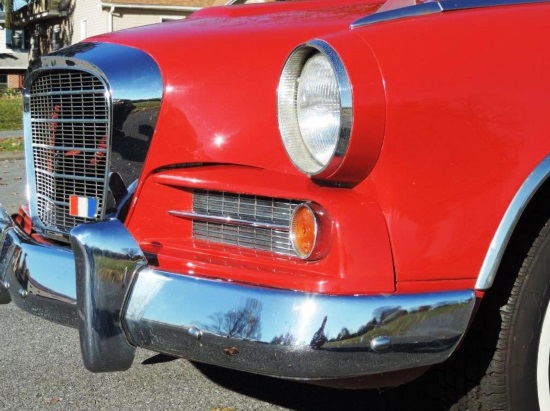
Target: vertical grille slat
70	115
248	208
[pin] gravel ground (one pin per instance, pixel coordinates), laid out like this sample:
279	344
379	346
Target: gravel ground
12	181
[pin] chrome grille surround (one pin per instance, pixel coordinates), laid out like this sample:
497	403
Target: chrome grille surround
126	107
258	223
67	110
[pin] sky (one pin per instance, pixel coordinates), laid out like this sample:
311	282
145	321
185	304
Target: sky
17	4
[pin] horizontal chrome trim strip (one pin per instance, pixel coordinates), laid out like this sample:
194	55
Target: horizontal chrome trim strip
281	333
434	7
70	121
69	176
49	200
65	148
42	196
69	92
227	220
59	203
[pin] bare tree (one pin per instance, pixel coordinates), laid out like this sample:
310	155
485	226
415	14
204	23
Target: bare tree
241	322
284	339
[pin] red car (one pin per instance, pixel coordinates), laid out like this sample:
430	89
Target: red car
340	192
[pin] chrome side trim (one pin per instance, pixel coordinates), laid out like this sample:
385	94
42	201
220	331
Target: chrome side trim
227	220
508	223
434	7
292	334
106	258
401	13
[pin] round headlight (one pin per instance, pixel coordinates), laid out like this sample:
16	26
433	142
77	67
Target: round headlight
314	108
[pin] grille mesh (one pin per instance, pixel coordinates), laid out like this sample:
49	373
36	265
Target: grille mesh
252	209
70	137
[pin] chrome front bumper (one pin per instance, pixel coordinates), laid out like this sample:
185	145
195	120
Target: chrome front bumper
104	287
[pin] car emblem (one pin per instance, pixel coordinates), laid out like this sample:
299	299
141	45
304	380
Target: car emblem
83	206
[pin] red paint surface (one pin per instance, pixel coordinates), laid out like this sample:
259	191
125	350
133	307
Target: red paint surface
467	112
351	266
450	118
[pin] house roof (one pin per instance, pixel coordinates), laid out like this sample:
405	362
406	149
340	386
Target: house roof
13	60
161	4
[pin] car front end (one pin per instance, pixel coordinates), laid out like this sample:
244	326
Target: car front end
212	203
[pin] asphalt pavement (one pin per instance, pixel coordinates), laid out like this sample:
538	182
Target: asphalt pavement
41	369
11	133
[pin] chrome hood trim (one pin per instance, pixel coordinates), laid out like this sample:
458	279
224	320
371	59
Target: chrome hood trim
394	9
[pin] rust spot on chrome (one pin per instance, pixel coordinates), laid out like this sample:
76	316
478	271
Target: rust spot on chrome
231	351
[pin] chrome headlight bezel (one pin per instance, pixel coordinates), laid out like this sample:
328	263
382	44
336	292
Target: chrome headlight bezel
287	112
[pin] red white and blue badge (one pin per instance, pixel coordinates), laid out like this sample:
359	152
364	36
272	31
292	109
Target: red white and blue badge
83	206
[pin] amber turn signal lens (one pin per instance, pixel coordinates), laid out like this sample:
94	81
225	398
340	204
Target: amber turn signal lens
303	230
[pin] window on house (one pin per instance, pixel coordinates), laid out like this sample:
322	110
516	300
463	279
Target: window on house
16	39
3	81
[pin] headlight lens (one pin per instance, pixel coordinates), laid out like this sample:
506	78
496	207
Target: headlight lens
318	108
314	108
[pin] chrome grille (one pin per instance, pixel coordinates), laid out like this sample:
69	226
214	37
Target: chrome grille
69	112
244	208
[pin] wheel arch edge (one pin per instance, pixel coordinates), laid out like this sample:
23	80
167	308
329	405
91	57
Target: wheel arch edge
510	222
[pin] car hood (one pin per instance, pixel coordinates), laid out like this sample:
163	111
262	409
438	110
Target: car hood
220	71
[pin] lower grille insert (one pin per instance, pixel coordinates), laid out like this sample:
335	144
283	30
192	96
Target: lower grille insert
263	222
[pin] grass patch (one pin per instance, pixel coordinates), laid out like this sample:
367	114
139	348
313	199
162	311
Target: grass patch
11	144
11	111
399	325
146	104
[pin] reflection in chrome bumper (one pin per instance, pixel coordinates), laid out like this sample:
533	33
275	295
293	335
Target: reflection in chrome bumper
40	278
281	333
292	334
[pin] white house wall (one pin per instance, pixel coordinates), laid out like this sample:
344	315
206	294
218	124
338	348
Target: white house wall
126	18
95	18
2	38
89	15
